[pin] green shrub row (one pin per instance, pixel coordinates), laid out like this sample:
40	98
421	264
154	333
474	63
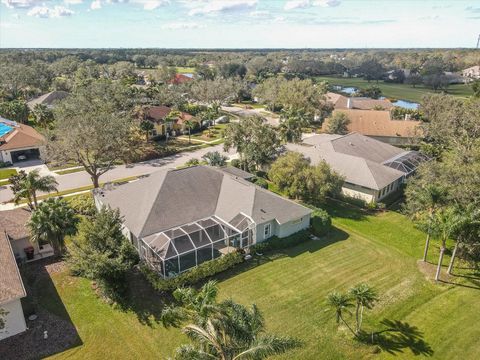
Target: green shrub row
275	243
194	275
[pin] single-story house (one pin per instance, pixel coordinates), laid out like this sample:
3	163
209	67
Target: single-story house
11	291
177	219
48	99
379	125
372	168
19	142
471	73
362	103
157	115
13	225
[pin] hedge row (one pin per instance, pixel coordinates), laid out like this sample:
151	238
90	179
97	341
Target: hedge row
321	222
194	275
275	243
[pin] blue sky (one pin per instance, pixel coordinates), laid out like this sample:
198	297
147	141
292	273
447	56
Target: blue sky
238	23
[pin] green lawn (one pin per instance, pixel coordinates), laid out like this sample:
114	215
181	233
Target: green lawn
215	131
397	91
6	173
185	69
290	289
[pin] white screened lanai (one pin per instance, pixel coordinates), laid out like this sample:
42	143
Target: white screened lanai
173	251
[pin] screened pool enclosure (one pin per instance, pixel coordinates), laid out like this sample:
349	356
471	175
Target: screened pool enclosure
178	249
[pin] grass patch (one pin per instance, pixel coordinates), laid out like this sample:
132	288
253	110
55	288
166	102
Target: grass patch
252	104
290	287
69	171
398	91
6	173
216	133
185	69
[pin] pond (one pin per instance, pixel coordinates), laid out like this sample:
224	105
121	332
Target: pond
406	104
346	89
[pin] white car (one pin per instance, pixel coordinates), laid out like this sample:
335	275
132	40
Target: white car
22	157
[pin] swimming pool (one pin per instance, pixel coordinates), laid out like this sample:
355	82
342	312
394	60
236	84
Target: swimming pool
4	129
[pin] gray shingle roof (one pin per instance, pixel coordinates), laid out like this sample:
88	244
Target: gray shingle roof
48	99
357	157
11	285
170	198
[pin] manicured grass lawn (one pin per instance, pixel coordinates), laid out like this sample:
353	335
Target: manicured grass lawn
397	91
69	171
185	69
216	131
6	173
290	288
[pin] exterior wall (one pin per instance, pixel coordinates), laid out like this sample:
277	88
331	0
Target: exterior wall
20	244
390	188
293	226
260	234
14	321
359	192
6	156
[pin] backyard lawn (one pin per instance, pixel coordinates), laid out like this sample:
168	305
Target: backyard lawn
438	321
6	173
397	91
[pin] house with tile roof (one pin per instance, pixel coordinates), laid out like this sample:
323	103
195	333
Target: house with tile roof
361	103
180	218
158	114
19	142
372	169
380	125
11	291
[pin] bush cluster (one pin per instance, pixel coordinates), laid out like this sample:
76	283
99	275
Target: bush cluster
321	222
194	275
275	243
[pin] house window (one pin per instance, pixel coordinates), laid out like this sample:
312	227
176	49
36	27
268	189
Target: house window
267	230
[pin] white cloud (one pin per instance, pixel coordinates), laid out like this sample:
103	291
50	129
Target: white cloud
73	2
326	3
296	4
96	4
259	13
218	6
46	12
151	4
19	4
181	26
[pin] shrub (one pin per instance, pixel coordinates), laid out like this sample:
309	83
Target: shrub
260	182
321	222
4	164
192	162
194	275
83	204
236	163
275	243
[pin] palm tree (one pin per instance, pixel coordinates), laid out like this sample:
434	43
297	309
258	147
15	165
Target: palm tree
214	158
147	127
340	303
189	125
43	115
51	221
25	186
431	197
171	118
445	223
365	297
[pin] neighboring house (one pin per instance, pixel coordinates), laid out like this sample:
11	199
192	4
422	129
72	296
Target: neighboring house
362	103
19	142
49	99
11	291
178	219
13	225
157	115
379	125
472	73
372	169
180	79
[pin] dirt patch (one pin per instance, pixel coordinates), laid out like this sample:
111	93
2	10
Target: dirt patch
31	344
429	270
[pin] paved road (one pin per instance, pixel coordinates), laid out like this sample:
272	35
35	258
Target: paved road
81	178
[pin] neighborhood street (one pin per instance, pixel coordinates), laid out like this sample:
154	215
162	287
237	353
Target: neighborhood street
81	178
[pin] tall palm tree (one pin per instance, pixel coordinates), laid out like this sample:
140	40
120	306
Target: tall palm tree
43	115
25	186
445	223
51	221
189	125
431	197
171	118
340	303
365	297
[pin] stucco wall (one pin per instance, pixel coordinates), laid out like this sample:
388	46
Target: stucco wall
358	192
19	245
14	321
294	226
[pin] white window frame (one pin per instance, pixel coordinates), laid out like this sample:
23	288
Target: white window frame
267	234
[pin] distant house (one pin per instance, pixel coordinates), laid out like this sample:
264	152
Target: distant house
11	290
13	225
372	169
362	103
158	114
178	219
49	99
379	125
472	73
19	142
180	79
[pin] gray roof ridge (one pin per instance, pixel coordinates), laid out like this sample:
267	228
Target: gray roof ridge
369	165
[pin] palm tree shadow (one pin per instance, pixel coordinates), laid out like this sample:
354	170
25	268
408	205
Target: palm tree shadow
398	336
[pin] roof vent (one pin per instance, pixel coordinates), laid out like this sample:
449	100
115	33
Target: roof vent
350	143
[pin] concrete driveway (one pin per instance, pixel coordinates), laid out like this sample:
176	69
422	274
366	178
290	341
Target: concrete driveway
271	118
81	178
